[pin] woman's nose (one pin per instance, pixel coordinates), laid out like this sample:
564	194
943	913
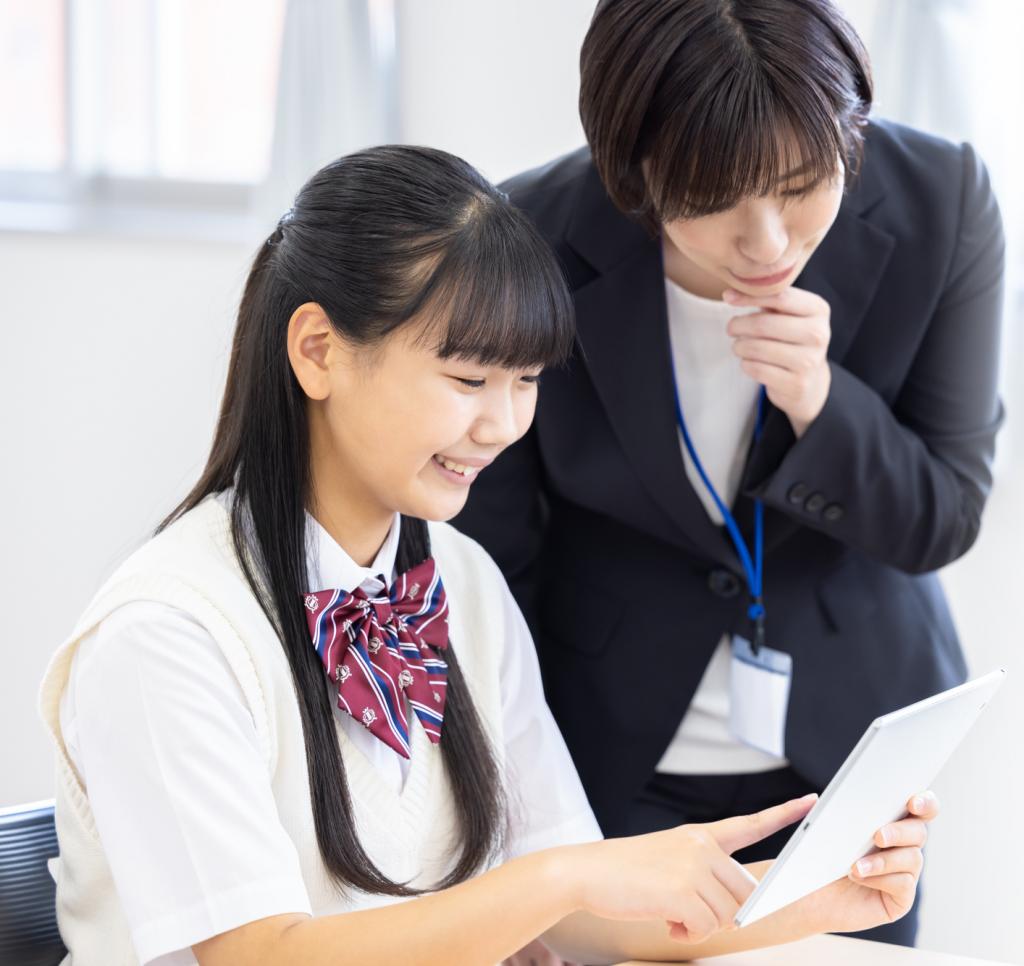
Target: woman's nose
764	241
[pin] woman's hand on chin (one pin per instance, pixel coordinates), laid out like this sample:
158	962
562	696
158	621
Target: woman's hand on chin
883	889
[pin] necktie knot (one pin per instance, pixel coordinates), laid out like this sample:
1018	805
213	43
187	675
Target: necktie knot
381	608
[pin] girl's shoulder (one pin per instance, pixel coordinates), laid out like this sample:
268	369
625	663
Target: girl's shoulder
204	530
477	592
190	555
461	559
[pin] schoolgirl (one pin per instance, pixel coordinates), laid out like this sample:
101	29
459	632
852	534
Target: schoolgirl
302	724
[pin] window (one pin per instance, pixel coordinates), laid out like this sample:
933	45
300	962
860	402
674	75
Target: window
137	98
32	100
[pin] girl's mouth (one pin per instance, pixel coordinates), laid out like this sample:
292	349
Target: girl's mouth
456	472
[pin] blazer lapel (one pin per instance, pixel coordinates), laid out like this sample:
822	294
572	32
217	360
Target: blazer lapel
845	271
623	335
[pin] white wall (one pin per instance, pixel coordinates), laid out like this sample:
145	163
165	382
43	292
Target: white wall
113	364
495	83
972	896
112	367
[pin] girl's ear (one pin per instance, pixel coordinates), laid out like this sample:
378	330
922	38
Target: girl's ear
313	349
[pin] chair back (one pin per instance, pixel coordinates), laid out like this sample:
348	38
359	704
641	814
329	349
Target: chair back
28	918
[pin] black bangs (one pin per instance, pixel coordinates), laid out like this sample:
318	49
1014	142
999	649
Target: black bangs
754	136
495	293
690	106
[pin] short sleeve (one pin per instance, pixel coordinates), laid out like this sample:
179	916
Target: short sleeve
160	732
548	804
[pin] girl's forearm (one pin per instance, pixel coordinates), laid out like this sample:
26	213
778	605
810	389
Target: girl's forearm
582	937
585	938
481	921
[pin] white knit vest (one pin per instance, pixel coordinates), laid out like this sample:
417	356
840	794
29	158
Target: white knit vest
410	835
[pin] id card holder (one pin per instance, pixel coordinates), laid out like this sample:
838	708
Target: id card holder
759	696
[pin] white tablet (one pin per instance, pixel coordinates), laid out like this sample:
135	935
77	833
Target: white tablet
899	755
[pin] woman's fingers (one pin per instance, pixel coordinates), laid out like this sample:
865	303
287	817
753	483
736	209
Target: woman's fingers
785	355
887	862
794	329
908	831
795	301
785	387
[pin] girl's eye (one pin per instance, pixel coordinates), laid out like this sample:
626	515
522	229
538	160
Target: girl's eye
479	383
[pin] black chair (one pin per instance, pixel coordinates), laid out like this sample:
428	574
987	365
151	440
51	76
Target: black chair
28	920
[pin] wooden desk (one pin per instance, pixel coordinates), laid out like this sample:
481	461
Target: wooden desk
837	951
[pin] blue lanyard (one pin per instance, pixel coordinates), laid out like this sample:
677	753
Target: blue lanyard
754	568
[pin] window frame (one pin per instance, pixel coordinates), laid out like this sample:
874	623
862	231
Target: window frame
72	200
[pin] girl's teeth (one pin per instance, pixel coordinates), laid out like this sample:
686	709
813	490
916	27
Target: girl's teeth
456	467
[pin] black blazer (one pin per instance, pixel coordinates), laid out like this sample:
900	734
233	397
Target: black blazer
627	584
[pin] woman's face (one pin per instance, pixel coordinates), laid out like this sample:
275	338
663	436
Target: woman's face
757	247
396	428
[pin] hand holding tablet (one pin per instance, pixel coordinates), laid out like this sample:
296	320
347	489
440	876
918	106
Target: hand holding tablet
685	876
899	755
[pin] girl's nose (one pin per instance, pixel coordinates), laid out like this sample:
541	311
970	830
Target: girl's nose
496	425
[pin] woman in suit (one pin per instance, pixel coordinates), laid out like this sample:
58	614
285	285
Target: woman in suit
736	222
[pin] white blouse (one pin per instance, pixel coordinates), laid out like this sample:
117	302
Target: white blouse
158	729
719	402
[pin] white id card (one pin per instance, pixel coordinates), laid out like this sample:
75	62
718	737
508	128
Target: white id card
759	696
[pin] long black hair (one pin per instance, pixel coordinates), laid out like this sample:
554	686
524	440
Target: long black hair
376	238
719	98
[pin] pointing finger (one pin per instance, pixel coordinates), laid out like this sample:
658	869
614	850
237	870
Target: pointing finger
733	834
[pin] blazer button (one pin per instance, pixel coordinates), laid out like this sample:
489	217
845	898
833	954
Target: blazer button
723	583
834	512
814	503
798	493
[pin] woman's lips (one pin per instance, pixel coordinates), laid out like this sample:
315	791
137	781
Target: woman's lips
765	279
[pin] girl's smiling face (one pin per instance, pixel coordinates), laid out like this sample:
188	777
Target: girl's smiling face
397	428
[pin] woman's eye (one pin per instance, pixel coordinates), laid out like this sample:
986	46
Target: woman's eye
804	189
533	380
